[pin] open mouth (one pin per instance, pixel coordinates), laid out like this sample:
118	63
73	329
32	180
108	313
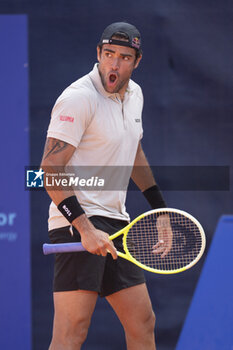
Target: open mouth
112	78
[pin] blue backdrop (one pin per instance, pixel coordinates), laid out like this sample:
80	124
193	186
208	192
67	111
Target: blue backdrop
187	78
15	288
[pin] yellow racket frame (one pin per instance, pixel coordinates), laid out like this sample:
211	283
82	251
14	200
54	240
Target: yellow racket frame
130	258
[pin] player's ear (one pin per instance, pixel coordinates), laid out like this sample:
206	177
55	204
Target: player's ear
137	61
98	53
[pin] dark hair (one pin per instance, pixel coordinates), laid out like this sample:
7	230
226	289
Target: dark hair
124	37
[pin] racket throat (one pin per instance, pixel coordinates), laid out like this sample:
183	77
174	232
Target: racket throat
124	256
117	234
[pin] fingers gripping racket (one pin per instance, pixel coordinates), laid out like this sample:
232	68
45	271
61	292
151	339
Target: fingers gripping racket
164	241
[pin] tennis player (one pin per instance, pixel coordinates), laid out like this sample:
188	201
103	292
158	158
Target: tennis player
97	121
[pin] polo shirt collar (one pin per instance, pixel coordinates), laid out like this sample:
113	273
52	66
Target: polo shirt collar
96	80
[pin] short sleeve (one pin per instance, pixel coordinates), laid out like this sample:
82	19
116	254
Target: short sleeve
70	117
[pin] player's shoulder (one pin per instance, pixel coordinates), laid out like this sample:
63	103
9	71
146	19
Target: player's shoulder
83	85
135	89
81	90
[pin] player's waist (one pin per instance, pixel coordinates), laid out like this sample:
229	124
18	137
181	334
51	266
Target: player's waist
57	220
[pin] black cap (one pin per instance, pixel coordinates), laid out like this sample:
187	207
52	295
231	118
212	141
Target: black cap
134	37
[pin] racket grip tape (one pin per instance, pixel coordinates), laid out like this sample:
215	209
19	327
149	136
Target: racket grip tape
62	248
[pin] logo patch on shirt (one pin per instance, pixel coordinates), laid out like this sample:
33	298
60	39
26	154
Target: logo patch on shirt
137	120
66	118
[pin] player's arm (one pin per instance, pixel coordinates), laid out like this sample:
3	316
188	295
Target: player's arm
56	155
144	179
141	173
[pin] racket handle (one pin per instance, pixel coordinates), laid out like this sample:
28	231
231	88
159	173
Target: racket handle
62	248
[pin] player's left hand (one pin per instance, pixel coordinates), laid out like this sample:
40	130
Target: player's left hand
165	235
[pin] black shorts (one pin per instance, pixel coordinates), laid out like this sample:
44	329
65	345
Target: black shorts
86	271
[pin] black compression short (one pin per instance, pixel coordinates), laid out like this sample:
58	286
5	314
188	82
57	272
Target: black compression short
85	271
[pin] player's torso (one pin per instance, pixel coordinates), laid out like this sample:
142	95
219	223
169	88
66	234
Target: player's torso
113	134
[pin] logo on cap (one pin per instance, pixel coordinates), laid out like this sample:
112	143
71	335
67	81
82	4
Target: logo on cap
136	42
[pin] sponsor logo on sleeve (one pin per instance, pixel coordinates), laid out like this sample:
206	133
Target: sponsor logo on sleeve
66	118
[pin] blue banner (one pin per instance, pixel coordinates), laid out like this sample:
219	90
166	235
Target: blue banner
208	325
15	299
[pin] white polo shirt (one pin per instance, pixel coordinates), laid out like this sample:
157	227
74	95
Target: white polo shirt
105	132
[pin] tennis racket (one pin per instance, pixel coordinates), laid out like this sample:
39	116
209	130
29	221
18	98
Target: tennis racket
146	238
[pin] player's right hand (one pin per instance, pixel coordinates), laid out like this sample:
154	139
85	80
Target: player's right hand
93	240
97	242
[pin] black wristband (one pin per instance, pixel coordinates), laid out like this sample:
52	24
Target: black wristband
154	197
70	208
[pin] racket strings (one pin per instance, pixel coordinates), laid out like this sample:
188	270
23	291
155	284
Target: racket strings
144	234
